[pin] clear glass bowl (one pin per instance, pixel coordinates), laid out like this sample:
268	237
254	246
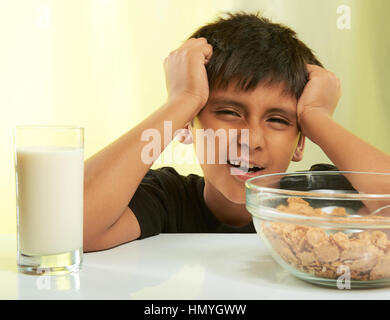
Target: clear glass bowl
330	228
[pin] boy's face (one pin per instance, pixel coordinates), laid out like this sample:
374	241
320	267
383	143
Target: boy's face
274	138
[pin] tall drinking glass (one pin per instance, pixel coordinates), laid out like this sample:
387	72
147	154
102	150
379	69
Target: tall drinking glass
49	167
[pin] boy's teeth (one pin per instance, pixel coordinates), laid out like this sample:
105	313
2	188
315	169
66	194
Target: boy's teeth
242	164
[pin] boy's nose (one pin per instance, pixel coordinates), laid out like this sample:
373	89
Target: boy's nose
252	138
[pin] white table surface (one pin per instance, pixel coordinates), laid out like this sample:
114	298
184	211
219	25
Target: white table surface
172	266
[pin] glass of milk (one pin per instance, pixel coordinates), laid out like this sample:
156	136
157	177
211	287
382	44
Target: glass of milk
49	167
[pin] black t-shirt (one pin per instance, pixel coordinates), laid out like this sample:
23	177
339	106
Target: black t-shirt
167	202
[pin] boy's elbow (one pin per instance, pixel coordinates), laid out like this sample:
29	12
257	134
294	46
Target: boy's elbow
87	244
124	230
91	239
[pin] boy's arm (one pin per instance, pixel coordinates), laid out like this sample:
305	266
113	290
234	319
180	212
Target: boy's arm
112	176
347	151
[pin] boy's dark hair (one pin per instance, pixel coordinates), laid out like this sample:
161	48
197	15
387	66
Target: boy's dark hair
251	49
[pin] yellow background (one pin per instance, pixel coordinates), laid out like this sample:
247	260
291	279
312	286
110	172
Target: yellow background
98	64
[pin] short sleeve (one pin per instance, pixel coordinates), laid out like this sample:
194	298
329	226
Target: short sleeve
156	202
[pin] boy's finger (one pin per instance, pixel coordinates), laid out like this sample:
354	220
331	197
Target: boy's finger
314	70
204	46
312	67
208	52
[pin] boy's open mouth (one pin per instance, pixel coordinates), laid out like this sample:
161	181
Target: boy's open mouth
246	167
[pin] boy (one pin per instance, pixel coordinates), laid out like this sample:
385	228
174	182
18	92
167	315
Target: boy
242	72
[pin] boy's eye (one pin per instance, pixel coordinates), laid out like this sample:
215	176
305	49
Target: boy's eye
278	121
229	112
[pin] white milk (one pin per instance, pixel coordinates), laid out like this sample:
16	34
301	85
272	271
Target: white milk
49	182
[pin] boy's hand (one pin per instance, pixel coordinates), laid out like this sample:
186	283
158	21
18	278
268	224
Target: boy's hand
320	95
185	72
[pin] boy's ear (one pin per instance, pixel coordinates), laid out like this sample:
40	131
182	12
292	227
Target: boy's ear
185	134
298	153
